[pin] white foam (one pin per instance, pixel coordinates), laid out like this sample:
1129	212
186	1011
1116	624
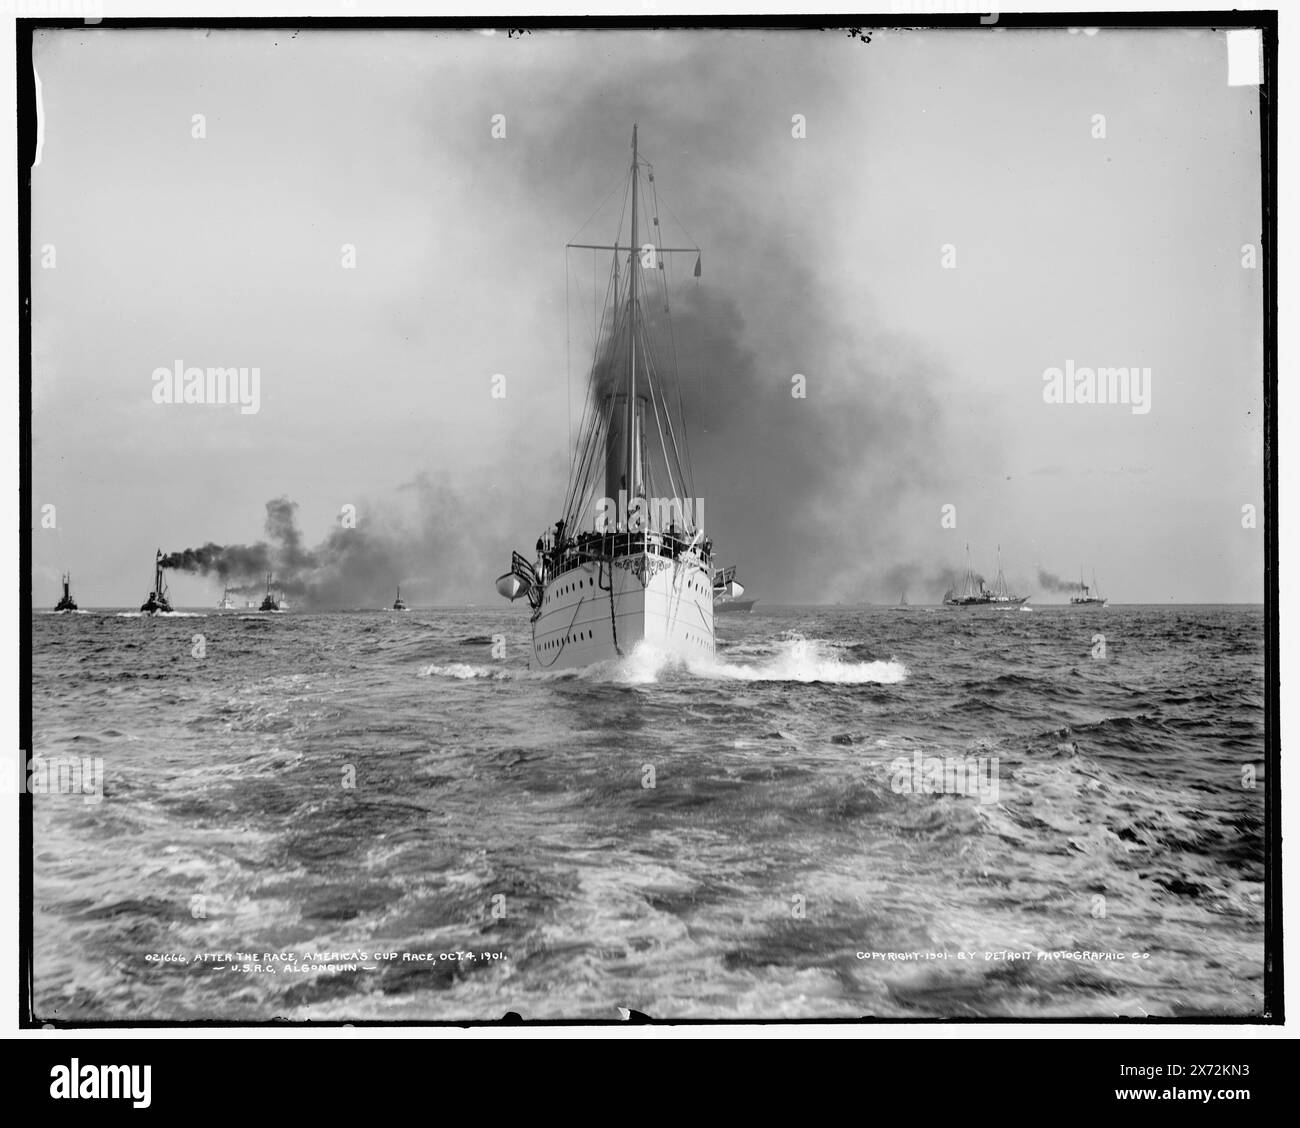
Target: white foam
802	660
793	659
463	671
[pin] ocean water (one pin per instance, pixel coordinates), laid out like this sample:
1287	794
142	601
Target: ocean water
377	816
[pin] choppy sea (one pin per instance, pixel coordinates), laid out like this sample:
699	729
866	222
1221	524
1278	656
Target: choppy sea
850	812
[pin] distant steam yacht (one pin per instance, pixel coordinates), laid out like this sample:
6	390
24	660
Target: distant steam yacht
67	603
628	565
398	605
1088	596
1001	596
157	601
973	593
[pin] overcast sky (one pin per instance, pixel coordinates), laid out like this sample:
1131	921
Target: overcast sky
822	255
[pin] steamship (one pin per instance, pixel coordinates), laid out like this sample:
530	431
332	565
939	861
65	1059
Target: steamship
271	601
1088	596
628	560
973	593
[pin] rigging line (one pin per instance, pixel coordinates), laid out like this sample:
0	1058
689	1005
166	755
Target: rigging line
590	470
683	467
568	352
584	477
672	484
590	404
582	472
620	183
690	484
689	237
681	411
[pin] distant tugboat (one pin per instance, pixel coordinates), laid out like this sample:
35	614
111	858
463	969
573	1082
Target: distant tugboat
66	603
270	603
727	592
226	604
1086	598
398	605
157	601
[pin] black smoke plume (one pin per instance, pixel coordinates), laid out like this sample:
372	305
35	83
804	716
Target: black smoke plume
1049	582
416	540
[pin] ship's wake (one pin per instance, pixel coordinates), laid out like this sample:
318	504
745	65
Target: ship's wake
793	659
798	659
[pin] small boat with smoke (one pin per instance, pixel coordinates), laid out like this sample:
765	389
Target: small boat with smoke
398	605
158	601
972	591
271	602
227	602
727	591
621	565
1088	596
67	603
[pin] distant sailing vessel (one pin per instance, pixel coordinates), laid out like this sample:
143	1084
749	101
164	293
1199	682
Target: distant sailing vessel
398	605
902	604
157	601
727	592
67	603
1086	596
973	593
227	603
626	566
271	602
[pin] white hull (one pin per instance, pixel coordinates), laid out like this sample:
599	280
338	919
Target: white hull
579	622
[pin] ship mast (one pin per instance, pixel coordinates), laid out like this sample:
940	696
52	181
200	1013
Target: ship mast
621	425
632	484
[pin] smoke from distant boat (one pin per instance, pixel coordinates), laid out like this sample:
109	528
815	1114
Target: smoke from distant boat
1050	582
410	540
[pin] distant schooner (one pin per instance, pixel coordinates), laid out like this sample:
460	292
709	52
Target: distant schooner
628	560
